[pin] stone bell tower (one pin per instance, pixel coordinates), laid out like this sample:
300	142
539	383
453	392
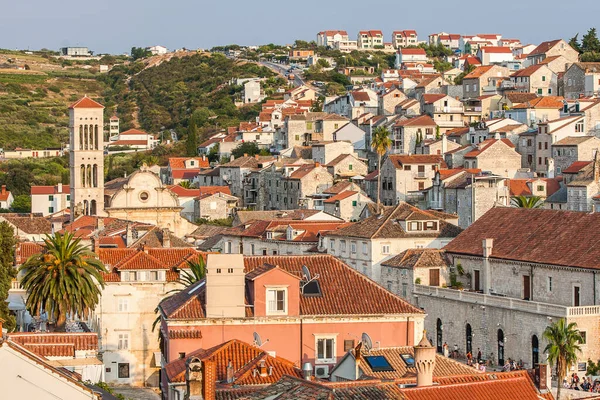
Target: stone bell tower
86	157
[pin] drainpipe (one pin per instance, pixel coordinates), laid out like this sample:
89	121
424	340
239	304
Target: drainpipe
531	283
408	331
301	344
595	288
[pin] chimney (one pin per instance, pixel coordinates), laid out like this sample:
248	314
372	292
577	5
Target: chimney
424	362
317	164
3	189
59	188
262	368
225	286
231	157
542	377
307	371
245	154
100	223
444	144
230	372
129	236
203	157
488	245
256	156
200	379
597	166
166	238
497	135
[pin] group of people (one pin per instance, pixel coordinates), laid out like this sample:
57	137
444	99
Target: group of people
585	384
477	363
511	365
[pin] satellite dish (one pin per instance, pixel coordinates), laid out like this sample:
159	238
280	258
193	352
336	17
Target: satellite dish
306	273
257	339
366	340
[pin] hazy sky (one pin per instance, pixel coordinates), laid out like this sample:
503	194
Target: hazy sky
115	26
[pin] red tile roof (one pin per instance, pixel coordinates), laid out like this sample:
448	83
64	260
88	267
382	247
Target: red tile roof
86	102
343	290
400	160
478	72
309	229
413	51
360	96
340	196
128	143
423	120
485	145
418	258
430	98
184	192
534	235
47	190
496	50
527	71
56	344
555	102
576	167
520	187
133	132
544	47
179	162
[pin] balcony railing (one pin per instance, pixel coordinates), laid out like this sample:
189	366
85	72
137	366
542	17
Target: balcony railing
448	109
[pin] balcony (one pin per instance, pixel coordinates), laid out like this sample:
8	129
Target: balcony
507	85
436	205
448	110
476	109
420	175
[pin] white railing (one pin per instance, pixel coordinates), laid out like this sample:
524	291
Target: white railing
494	301
15	285
448	109
584	311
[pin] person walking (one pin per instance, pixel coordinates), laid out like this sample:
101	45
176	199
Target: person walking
478	355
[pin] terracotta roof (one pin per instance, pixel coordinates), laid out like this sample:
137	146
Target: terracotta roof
308	229
360	96
485	145
542	102
56	344
422	120
517	97
128	143
155	238
204	231
86	102
496	49
228	138
340	196
302	171
341	186
179	162
343	290
478	72
573	140
457	132
387	225
418	258
32	225
527	71
520	187
398	160
372	175
185	192
534	235
417	51
298	214
428	81
47	190
544	47
430	98
133	132
245	359
576	167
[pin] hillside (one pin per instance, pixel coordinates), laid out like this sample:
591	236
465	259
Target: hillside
166	94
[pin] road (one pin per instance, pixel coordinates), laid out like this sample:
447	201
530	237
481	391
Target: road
281	69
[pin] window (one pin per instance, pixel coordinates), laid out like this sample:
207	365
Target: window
385	249
404	289
545	145
332	244
407	167
123	370
68	197
543	78
123	341
348	345
353	247
350	167
133	276
540	91
540	143
365	248
144	196
540	188
579	127
414	226
325	350
549	90
342	245
431	226
51	210
389	286
123	304
549	283
297	137
354	203
276	303
153	275
583	336
50	198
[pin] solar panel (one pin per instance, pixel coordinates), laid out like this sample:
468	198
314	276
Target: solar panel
408	359
311	288
379	364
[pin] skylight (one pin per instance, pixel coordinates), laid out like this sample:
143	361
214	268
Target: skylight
379	364
408	359
311	289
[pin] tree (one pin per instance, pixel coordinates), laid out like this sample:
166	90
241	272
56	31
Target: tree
459	78
380	142
574	43
563	346
140	52
247	148
21	204
527	201
437	132
7	271
590	42
64	279
191	143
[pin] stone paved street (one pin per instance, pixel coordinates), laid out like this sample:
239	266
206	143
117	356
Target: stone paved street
137	393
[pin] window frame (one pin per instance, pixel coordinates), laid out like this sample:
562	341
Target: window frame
325	337
268	310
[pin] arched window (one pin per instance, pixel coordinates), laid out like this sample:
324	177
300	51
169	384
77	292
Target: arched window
80	137
88	178
86	208
96	137
82	173
500	347
95	175
440	336
535	351
469	336
85	135
93	207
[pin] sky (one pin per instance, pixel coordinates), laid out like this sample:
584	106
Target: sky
114	26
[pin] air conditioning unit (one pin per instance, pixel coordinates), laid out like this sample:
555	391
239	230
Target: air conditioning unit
322	371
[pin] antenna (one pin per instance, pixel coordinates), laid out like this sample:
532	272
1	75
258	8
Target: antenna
258	341
366	340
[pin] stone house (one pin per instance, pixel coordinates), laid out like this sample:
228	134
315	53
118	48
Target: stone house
512	98
439	146
538	79
467	193
571	149
325	152
432	85
49	199
407	133
353	134
184	169
388	101
364	245
483	80
550	132
346	166
538	187
518	278
234	172
584	187
526	148
429	267
446	111
347	205
405	177
292	186
538	110
409	108
497	156
187	197
552	50
581	79
326	126
210	177
213	206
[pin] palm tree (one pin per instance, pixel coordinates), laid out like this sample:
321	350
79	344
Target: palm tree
197	272
527	201
563	346
64	279
185	184
380	142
